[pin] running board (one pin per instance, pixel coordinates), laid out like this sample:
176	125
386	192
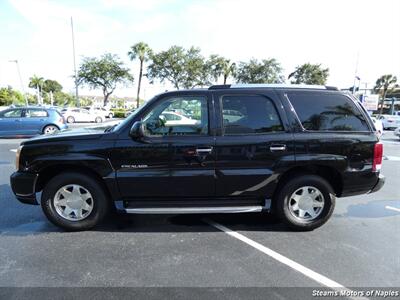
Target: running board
194	210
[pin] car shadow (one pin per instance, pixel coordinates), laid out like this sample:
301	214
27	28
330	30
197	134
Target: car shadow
17	219
372	209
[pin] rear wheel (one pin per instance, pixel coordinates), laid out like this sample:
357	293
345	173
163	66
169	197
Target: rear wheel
49	129
74	201
70	120
98	120
111	115
306	202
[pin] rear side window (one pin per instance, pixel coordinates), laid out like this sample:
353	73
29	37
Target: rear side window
248	114
327	112
35	113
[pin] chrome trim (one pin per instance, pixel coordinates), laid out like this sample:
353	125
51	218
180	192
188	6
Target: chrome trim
193	210
290	86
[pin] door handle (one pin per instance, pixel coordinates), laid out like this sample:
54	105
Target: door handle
204	150
274	148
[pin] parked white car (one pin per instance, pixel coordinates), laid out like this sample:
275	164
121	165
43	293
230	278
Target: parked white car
102	111
173	118
72	115
378	126
390	121
397	132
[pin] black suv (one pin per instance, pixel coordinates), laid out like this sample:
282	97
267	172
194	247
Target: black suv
286	149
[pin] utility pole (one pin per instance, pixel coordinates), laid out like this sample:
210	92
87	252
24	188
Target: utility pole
76	75
20	80
355	74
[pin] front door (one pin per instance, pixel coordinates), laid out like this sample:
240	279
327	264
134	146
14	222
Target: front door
253	145
10	122
175	158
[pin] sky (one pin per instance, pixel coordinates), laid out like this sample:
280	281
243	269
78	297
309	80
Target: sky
334	33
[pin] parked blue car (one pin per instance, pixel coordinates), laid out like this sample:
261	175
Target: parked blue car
30	121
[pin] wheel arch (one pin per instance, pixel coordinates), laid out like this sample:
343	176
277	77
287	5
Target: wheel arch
330	174
49	172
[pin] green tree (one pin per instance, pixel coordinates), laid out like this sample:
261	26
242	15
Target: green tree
264	71
183	68
220	66
384	85
51	86
310	74
105	72
10	96
143	52
37	82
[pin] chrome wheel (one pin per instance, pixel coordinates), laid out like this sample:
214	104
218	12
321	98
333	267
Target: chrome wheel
306	203
73	202
98	120
50	129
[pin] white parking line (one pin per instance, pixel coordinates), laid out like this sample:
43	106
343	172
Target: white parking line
284	260
392	208
13	150
395	158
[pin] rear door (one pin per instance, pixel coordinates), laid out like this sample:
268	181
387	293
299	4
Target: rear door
34	120
253	146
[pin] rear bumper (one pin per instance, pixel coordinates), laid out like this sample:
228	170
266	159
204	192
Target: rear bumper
380	183
23	185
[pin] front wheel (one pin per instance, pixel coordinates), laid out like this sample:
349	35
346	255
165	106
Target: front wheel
74	201
98	120
306	202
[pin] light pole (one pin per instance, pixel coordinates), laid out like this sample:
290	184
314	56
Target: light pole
20	80
76	75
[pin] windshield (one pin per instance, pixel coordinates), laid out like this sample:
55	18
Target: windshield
130	117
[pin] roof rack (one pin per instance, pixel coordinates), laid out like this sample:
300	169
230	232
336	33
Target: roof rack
263	85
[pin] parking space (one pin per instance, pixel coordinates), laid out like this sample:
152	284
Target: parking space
358	247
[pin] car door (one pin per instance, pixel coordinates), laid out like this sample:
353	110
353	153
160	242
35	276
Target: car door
34	120
253	145
85	115
10	122
169	162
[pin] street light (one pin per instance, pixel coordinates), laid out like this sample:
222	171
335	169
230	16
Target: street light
20	80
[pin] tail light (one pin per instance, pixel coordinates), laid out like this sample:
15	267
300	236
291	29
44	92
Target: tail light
378	154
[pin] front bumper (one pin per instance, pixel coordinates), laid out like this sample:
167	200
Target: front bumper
379	184
23	185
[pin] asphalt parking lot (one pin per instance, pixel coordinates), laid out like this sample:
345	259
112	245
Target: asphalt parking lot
358	248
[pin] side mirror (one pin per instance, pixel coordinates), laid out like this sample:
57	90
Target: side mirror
137	130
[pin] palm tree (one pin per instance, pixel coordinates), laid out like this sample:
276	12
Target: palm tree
228	69
37	82
384	85
143	52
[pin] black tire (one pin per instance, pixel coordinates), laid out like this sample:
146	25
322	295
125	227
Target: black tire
111	115
70	119
285	192
50	128
98	120
100	201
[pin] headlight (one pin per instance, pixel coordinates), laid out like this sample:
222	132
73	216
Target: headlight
17	157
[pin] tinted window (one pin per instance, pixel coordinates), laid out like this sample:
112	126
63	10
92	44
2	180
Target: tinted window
189	117
249	114
325	111
14	113
35	113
